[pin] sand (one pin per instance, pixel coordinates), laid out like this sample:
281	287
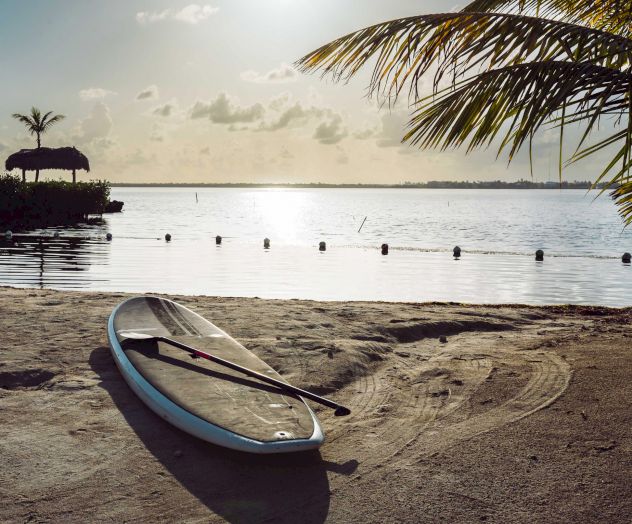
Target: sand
522	415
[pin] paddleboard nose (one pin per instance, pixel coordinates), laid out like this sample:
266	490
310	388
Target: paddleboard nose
135	335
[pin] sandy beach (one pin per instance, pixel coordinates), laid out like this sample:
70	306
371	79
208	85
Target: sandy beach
522	414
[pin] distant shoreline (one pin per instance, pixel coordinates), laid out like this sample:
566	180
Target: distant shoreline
497	184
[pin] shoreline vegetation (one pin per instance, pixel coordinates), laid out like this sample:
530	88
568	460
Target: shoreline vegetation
440	184
49	203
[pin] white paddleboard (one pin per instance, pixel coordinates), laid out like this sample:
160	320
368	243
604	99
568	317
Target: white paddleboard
212	402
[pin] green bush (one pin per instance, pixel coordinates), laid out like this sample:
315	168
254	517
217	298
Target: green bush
38	204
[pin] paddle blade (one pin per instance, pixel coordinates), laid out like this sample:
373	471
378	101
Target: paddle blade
341	411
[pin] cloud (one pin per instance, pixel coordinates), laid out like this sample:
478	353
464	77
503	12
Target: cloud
342	157
295	114
94	93
97	125
149	93
285	154
393	129
367	132
138	157
224	110
156	134
388	131
291	114
280	101
330	132
191	14
235	127
279	113
102	143
165	111
283	73
194	13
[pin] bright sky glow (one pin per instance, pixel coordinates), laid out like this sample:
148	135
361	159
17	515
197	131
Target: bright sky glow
174	91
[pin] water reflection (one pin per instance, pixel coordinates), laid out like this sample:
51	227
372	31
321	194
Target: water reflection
194	267
44	261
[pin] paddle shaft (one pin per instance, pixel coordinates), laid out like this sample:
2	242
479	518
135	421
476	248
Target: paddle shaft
340	410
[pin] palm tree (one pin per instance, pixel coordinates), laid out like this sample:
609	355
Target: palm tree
500	71
37	124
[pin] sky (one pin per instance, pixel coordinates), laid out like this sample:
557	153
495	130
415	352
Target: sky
174	91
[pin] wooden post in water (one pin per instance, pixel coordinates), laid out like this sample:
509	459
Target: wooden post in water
322	246
539	255
218	240
384	249
456	252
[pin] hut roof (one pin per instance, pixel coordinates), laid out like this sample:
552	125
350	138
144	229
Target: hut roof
68	158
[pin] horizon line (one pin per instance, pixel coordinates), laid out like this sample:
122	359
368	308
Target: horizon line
434	184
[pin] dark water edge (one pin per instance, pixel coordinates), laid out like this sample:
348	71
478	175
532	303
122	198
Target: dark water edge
27	226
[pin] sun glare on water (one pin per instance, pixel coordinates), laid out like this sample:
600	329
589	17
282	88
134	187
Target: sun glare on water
282	211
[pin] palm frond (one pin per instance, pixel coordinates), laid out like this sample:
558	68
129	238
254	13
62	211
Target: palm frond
460	44
46	115
25	119
622	196
580	154
515	102
503	69
614	16
36	124
36	116
46	124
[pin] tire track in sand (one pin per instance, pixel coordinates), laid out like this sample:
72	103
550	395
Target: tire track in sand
435	423
403	401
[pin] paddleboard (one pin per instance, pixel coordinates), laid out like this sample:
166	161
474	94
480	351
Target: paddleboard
207	400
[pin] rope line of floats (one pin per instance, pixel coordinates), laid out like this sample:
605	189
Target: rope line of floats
322	246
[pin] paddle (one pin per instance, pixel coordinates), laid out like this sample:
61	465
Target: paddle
341	411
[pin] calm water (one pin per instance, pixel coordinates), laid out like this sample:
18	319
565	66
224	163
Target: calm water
498	231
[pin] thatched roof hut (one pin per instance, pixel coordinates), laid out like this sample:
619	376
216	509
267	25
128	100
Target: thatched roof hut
68	158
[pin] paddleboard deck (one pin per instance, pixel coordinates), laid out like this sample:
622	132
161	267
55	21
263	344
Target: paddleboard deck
205	399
